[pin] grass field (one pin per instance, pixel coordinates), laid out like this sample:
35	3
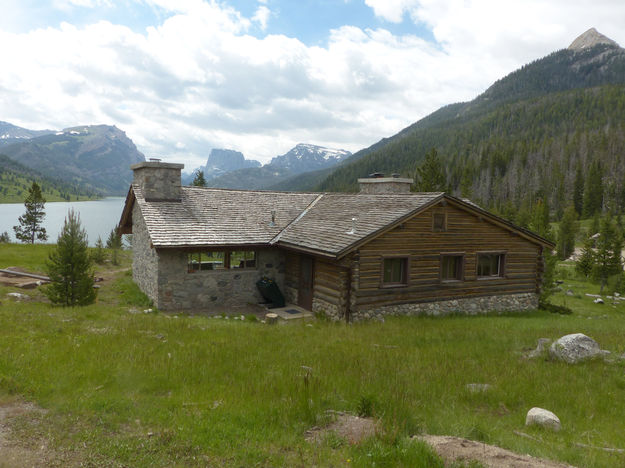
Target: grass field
126	388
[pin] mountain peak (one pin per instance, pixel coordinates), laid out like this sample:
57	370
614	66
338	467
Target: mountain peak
591	38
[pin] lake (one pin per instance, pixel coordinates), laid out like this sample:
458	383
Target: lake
97	217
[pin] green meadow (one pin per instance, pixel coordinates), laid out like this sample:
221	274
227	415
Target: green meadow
124	387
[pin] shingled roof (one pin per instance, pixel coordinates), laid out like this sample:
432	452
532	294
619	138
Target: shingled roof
319	223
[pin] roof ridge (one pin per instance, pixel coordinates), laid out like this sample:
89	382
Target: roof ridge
300	216
221	189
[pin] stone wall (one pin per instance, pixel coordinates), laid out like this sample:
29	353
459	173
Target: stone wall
328	309
144	258
469	306
180	290
158	180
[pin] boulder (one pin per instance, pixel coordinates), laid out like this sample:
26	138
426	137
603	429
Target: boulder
575	348
543	418
18	296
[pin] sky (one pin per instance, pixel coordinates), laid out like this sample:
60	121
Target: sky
181	77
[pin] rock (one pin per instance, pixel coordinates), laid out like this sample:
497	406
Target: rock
569	292
18	296
575	348
541	346
616	294
478	387
598	301
543	418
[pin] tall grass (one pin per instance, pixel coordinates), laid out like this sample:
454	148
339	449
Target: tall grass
171	390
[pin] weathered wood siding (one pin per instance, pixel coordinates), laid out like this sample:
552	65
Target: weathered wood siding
466	234
330	291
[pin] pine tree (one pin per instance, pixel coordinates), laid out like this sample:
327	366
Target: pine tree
114	242
566	233
69	266
578	190
608	253
199	180
98	255
30	228
586	261
593	191
430	175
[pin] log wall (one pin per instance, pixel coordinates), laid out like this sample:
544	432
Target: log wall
465	234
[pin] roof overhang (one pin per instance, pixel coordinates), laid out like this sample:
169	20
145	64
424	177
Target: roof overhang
125	222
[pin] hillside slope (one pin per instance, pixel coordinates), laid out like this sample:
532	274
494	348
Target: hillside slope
94	156
524	138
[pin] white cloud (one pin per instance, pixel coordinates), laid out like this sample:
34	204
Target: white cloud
262	16
391	10
198	80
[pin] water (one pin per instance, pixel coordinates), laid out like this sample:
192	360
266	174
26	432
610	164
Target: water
97	217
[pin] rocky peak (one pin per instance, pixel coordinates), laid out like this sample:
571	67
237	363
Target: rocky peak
591	38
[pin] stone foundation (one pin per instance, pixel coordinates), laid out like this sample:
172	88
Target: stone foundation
323	307
469	306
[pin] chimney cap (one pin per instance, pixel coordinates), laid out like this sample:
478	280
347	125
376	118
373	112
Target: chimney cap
155	159
156	164
376	175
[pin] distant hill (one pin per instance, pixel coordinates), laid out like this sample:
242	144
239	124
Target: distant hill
303	158
97	157
527	137
10	133
16	179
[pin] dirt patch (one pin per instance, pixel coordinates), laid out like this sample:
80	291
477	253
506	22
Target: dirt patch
458	449
346	426
15	453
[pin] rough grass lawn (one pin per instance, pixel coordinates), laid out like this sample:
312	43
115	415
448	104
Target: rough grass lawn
156	389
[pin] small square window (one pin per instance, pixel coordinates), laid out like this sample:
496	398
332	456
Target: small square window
395	271
490	265
439	222
452	267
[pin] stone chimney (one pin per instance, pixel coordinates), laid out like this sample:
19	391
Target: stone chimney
159	181
377	183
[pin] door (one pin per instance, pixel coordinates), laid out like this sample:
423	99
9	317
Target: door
306	275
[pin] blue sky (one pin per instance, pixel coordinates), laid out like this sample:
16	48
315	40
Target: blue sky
259	76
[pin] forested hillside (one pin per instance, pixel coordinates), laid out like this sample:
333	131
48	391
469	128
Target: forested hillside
553	131
15	180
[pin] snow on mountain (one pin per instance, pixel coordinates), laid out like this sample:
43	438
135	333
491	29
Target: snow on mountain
306	157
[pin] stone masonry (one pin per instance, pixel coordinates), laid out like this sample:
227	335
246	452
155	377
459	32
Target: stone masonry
469	306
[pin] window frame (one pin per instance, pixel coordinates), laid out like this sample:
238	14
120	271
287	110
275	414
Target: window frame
460	275
227	254
406	270
502	264
436	213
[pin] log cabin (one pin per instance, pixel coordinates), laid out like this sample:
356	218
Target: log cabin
350	256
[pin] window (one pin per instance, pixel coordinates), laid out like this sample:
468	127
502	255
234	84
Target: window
220	260
490	265
243	259
439	222
395	271
452	267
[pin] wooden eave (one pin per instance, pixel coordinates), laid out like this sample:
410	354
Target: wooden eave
125	222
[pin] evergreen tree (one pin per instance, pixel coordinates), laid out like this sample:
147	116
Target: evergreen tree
4	238
30	228
595	226
69	266
593	191
198	180
586	261
98	255
114	242
430	175
578	190
539	220
608	253
566	233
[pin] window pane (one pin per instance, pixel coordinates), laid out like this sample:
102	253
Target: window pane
193	262
451	267
395	270
489	264
242	259
213	260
